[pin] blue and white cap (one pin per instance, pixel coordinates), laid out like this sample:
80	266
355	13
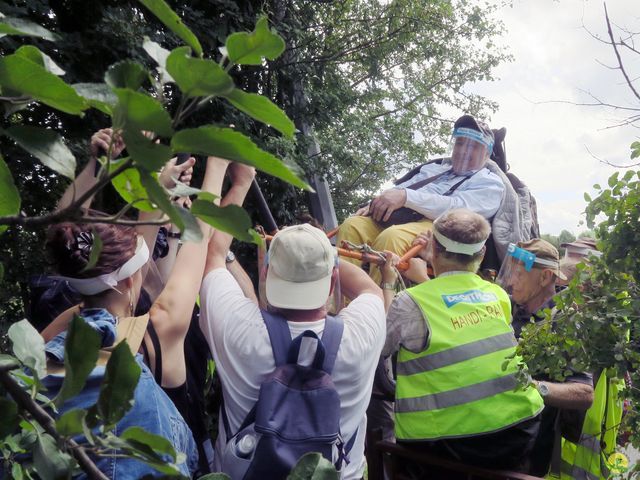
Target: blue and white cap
469	127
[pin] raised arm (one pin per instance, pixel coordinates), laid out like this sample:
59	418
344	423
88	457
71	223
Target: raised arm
354	281
241	177
171	312
102	141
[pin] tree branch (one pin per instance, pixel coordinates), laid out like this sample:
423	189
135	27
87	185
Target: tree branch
72	212
23	399
615	49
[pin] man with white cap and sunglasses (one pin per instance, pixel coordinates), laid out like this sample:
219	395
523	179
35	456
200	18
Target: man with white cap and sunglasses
456	392
529	273
392	220
301	272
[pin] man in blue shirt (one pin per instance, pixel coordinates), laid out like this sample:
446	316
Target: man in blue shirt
463	181
529	273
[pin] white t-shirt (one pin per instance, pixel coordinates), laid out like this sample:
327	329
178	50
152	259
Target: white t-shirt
239	341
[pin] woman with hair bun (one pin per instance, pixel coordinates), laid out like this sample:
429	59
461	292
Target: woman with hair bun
110	291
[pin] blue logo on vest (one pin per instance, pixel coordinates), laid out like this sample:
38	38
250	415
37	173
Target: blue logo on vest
472	296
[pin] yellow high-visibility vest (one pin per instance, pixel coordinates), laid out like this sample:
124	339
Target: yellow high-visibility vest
464	383
589	459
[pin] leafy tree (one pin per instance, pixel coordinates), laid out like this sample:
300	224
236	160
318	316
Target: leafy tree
376	78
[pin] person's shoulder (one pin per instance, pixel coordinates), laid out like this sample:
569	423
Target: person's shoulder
365	301
365	309
487	175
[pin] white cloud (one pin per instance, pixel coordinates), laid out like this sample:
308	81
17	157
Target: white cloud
551	146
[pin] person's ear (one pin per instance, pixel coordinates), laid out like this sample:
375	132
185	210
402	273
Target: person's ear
128	282
547	277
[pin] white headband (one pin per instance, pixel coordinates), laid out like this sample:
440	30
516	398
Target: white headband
92	286
457	247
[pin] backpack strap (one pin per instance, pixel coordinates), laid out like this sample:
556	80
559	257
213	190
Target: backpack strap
331	338
294	350
279	335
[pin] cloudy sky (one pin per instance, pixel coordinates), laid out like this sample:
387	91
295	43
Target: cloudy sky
557	148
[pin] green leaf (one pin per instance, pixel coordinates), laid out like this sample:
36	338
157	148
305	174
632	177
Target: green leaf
160	197
47	146
197	77
9	194
143	452
146	153
98	95
71	422
173	22
80	354
191	229
232	145
119	384
157	443
587	197
232	218
137	111
635	150
28	346
16	472
183	190
8	362
126	74
313	466
159	54
128	185
49	461
25	28
9	420
28	78
250	48
35	55
262	109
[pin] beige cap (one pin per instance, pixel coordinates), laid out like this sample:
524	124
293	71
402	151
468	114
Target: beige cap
301	261
545	251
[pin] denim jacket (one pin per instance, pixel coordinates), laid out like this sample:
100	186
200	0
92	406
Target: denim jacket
152	409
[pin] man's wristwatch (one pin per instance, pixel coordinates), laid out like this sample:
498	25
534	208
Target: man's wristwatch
230	257
543	389
388	286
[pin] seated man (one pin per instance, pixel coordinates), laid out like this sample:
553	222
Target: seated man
454	399
436	188
530	272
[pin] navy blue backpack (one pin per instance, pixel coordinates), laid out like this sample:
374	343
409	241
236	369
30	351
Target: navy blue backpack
298	409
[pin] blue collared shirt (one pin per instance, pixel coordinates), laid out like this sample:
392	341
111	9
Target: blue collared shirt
482	192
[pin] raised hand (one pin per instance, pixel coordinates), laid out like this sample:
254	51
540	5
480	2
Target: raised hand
101	140
171	172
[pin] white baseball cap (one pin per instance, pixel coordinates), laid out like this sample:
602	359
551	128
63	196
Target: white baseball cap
301	261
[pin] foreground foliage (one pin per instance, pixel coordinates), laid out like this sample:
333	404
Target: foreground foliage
32	443
597	323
